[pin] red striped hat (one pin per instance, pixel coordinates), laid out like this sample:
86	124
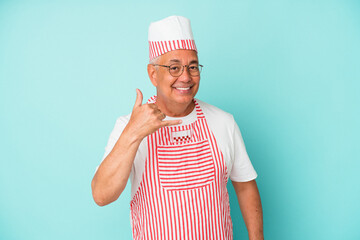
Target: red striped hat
169	34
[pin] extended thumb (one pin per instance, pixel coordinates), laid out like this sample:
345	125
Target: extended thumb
139	98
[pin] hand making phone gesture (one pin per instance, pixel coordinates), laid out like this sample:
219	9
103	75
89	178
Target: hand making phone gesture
146	118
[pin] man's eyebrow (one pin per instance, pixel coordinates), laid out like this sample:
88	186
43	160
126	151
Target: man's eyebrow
178	61
175	60
193	61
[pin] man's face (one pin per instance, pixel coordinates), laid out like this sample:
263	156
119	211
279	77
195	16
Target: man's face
176	90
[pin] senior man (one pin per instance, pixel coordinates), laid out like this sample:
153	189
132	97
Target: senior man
178	151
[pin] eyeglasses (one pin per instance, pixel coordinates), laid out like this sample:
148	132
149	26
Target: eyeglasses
176	69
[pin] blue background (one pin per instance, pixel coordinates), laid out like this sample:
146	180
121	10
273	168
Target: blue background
287	70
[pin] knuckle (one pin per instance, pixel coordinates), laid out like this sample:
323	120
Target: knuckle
151	105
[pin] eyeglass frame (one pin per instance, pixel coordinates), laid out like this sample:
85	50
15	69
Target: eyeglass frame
187	66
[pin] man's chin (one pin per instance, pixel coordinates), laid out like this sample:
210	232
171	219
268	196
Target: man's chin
184	99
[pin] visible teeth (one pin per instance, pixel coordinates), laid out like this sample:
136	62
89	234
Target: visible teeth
183	88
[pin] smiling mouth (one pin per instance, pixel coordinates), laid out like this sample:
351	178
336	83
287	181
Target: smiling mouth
182	89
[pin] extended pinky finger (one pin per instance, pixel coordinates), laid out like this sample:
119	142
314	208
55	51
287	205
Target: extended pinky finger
171	122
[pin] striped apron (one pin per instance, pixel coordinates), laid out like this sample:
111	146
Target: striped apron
182	194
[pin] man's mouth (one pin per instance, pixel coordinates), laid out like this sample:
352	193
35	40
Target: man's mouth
182	88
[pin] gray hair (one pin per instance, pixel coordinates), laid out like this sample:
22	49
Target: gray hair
155	61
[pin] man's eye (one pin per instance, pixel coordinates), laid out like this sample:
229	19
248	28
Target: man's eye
194	67
174	68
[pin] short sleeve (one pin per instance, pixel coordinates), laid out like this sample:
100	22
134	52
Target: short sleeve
120	124
242	169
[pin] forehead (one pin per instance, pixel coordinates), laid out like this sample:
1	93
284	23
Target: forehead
180	55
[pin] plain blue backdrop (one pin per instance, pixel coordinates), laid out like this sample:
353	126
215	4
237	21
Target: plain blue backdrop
287	70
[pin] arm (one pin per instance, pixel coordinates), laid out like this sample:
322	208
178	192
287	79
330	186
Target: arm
250	205
113	173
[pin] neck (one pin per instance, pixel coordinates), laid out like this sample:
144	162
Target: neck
175	109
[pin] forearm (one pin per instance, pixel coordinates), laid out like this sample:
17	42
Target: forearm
113	173
251	209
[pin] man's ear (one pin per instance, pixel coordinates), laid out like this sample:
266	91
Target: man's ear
152	74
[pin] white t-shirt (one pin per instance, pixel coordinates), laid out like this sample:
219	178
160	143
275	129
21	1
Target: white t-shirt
227	135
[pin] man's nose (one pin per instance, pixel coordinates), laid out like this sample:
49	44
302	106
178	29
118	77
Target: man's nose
185	76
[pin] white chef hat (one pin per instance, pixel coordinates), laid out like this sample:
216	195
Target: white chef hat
169	34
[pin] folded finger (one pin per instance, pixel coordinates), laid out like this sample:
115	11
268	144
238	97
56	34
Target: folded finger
162	115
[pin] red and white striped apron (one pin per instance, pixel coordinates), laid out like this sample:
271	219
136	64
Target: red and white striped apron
182	194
